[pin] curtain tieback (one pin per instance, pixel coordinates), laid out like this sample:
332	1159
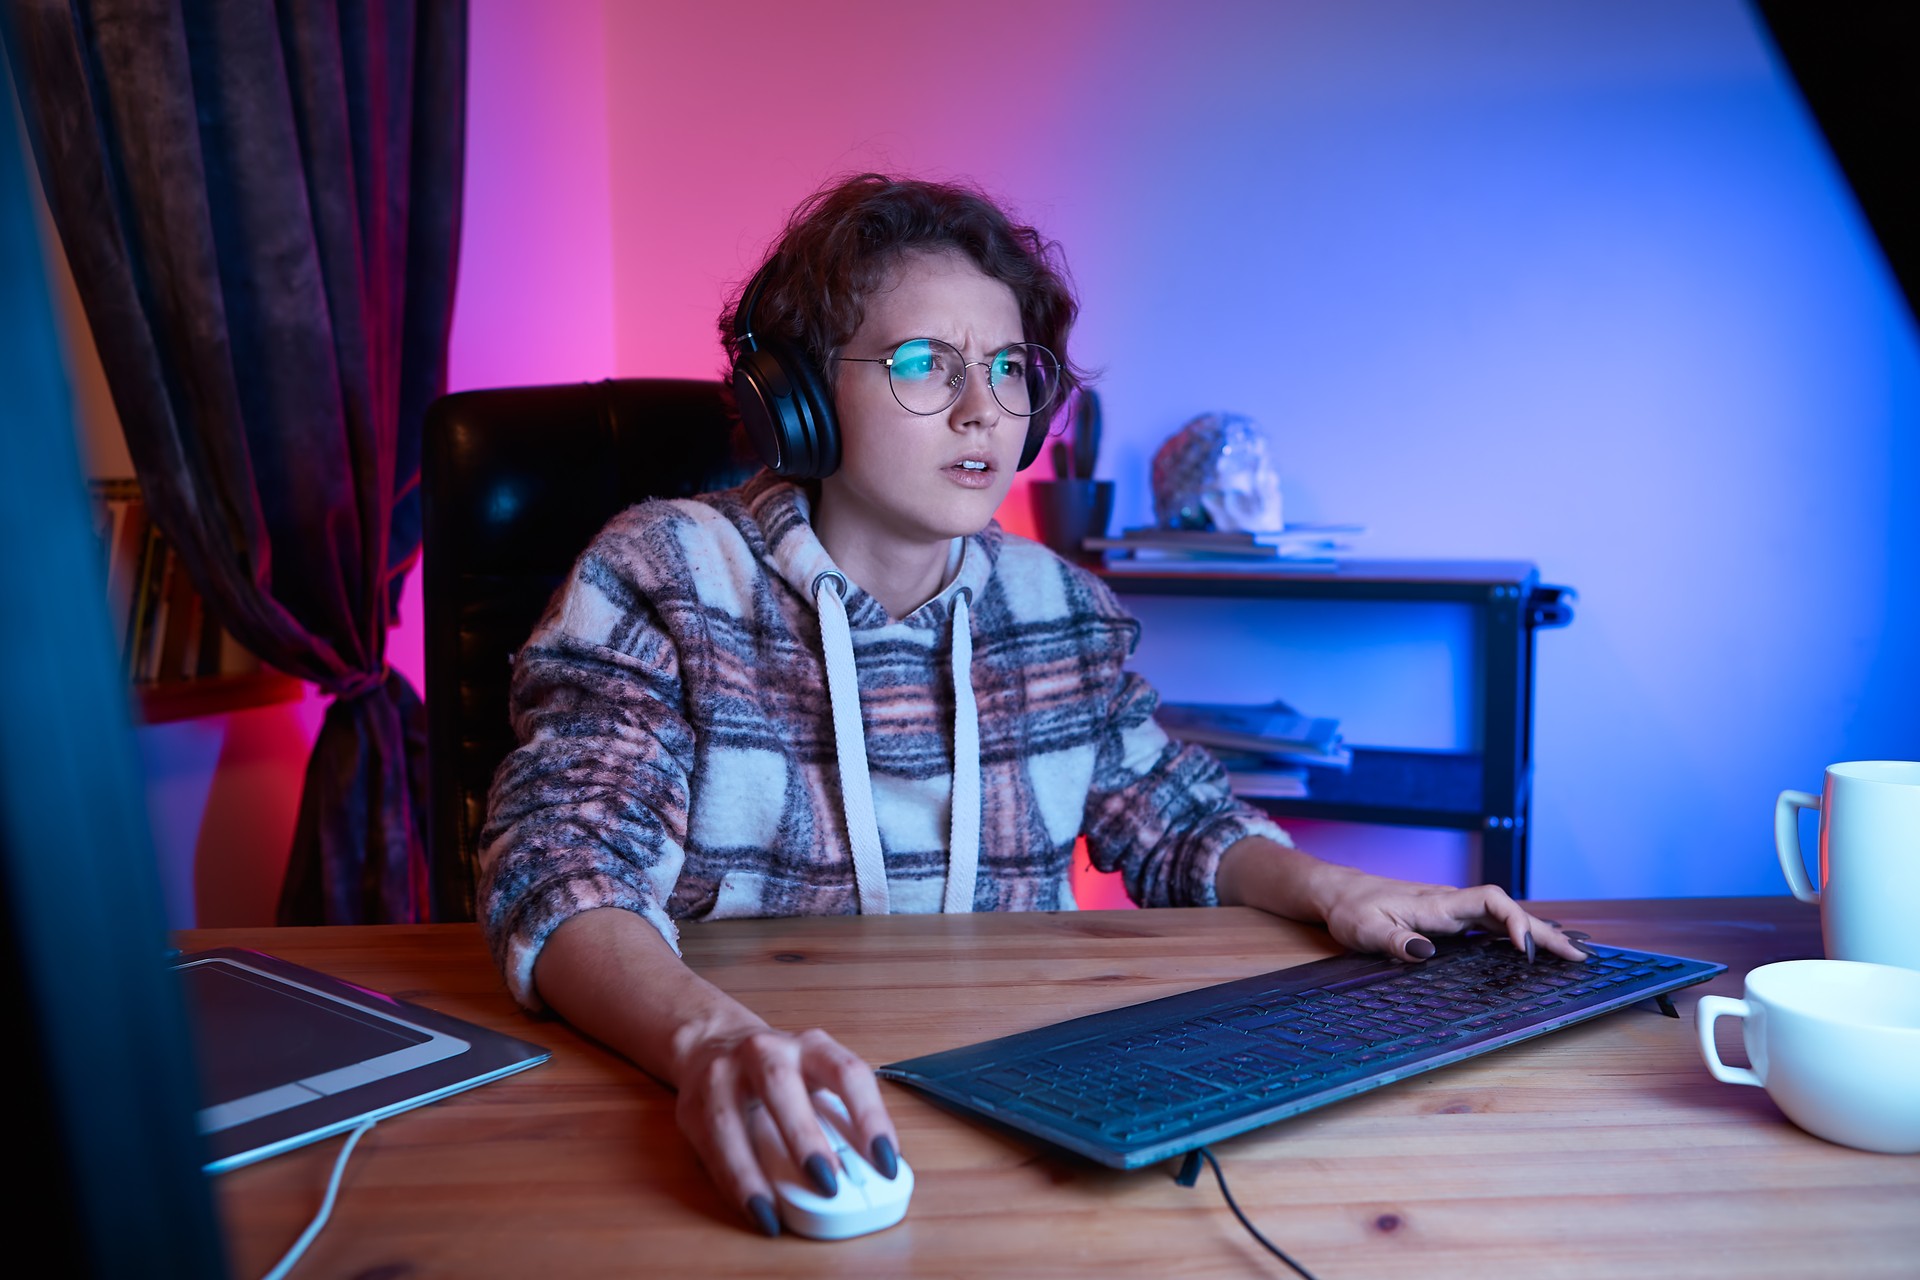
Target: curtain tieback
361	683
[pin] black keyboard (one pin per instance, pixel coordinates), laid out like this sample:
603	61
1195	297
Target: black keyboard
1139	1084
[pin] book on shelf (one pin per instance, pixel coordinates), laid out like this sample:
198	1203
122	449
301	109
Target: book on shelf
1145	563
1270	733
1337	756
179	625
162	627
121	518
1275	782
1294	543
148	593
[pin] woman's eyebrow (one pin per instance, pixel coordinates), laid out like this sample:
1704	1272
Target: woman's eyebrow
894	345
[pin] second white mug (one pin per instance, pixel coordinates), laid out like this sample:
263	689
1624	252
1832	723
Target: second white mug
1835	1043
1869	890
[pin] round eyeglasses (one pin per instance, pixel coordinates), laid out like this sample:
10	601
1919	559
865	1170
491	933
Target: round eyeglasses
928	375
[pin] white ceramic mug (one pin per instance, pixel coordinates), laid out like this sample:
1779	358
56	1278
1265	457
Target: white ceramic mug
1836	1045
1869	891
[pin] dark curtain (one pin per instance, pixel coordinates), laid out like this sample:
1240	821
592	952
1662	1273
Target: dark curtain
261	206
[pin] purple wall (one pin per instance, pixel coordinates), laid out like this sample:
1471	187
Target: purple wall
1574	283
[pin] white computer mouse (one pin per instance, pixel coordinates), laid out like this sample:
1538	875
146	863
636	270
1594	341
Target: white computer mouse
864	1201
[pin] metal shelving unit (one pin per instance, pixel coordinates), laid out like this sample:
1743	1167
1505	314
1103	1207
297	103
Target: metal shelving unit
1488	790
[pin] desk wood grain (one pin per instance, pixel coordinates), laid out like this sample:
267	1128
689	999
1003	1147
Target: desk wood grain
1605	1150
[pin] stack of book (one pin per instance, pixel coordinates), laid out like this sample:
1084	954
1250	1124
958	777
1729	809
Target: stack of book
164	630
1298	546
1266	748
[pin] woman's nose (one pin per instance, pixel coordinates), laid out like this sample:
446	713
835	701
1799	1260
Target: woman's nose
976	405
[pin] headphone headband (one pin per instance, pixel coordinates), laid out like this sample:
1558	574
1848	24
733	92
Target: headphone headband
743	318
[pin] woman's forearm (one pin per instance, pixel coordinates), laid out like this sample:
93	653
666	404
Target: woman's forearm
611	974
1258	872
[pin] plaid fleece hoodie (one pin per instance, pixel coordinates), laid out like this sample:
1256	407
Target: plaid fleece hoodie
679	759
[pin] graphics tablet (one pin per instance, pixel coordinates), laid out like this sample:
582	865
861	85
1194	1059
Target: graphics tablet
288	1055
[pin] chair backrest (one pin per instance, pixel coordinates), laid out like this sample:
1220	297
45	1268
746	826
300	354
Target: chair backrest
514	484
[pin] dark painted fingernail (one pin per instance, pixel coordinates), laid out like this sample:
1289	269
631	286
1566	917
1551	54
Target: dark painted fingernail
883	1158
820	1171
761	1210
1528	940
1584	947
1574	934
1420	949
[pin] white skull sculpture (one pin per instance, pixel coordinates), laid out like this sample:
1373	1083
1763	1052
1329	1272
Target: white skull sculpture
1214	473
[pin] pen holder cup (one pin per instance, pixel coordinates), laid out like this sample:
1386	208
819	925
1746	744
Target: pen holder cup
1067	512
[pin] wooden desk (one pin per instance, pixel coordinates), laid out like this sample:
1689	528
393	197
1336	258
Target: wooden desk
1605	1150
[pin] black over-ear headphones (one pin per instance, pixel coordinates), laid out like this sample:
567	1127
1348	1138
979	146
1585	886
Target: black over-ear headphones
786	405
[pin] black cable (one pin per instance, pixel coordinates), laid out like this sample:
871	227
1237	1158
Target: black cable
1190	1174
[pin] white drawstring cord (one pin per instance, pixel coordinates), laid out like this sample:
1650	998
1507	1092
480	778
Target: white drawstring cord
850	746
963	844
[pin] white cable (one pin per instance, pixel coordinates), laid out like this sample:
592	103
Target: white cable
326	1205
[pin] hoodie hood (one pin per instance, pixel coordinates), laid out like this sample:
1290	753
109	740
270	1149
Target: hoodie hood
783	512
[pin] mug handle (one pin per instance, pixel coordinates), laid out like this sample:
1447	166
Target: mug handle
1786	841
1705	1014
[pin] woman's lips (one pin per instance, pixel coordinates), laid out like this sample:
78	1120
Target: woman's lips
971	477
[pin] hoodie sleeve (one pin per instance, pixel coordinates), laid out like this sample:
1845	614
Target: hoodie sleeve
591	810
1159	811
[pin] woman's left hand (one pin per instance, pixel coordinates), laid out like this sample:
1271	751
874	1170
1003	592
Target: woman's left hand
1374	913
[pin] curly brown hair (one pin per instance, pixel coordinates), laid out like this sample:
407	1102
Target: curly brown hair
841	241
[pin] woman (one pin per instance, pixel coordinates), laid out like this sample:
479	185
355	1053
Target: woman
846	689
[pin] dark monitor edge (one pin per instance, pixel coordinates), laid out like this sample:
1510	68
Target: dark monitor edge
113	1155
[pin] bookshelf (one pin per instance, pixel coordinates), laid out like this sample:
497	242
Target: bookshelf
162	703
1488	790
179	661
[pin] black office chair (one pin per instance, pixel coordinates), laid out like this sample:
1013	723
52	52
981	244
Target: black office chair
514	484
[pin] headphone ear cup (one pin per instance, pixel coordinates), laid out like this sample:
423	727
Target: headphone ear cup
756	378
1036	439
813	401
786	412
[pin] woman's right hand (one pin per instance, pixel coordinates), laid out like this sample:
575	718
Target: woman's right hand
744	1074
611	974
